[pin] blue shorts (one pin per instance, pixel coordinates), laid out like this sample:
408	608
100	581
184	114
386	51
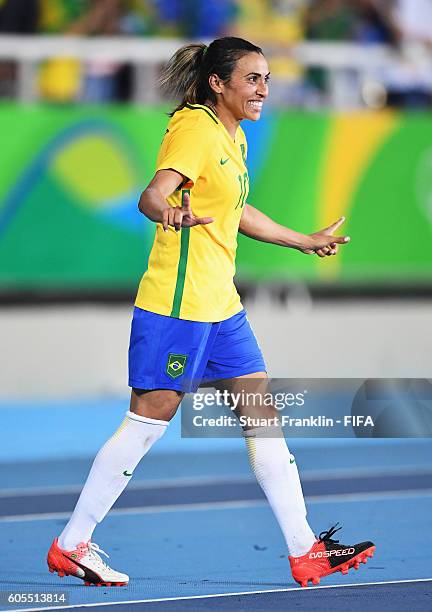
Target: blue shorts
168	353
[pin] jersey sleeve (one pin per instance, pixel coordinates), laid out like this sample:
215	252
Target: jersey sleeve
186	151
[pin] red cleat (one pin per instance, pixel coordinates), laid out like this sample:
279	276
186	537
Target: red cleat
84	562
328	556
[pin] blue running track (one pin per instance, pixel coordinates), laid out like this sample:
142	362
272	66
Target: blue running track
193	530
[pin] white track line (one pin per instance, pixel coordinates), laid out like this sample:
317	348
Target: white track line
160	483
226	505
373	496
141	510
192	597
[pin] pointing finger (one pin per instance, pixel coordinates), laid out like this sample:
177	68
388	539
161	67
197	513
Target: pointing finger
186	205
334	226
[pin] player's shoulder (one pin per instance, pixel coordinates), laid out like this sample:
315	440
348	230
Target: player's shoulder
194	117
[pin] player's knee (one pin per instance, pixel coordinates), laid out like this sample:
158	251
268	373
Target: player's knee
160	404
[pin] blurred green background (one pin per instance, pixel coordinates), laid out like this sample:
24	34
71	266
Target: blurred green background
71	177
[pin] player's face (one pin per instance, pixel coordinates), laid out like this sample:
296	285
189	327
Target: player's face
247	89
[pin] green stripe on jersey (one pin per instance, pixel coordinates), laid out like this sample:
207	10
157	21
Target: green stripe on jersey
182	264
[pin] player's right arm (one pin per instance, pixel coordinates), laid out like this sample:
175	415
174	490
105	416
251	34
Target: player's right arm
153	202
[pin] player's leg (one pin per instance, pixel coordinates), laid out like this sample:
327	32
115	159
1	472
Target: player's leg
273	464
146	421
164	354
115	462
275	468
236	364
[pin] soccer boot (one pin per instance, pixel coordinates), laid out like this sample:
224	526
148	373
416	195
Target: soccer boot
84	562
328	556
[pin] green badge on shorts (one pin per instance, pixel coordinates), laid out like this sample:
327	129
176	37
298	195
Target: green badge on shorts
176	365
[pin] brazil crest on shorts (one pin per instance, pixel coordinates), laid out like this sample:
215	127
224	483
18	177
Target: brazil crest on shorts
176	365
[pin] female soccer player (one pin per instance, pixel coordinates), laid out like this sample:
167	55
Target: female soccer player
189	325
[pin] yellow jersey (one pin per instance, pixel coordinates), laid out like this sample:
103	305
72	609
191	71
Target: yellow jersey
190	273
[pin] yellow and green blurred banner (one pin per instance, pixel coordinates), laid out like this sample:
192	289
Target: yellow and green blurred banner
70	179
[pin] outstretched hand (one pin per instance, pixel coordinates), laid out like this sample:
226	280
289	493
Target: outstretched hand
324	243
182	216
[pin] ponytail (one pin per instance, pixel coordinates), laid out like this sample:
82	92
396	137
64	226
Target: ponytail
180	77
186	75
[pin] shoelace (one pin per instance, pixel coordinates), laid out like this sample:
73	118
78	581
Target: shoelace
326	536
96	548
94	551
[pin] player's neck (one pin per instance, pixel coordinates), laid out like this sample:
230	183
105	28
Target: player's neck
226	117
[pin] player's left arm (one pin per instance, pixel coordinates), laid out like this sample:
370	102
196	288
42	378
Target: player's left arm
259	226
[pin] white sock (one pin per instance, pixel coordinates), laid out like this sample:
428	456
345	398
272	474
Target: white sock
277	473
109	475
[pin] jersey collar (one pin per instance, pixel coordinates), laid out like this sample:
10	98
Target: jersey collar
206	109
213	116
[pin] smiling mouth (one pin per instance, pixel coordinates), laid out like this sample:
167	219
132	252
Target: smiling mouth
255	104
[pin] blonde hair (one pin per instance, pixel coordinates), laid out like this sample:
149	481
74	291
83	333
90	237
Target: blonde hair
180	76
